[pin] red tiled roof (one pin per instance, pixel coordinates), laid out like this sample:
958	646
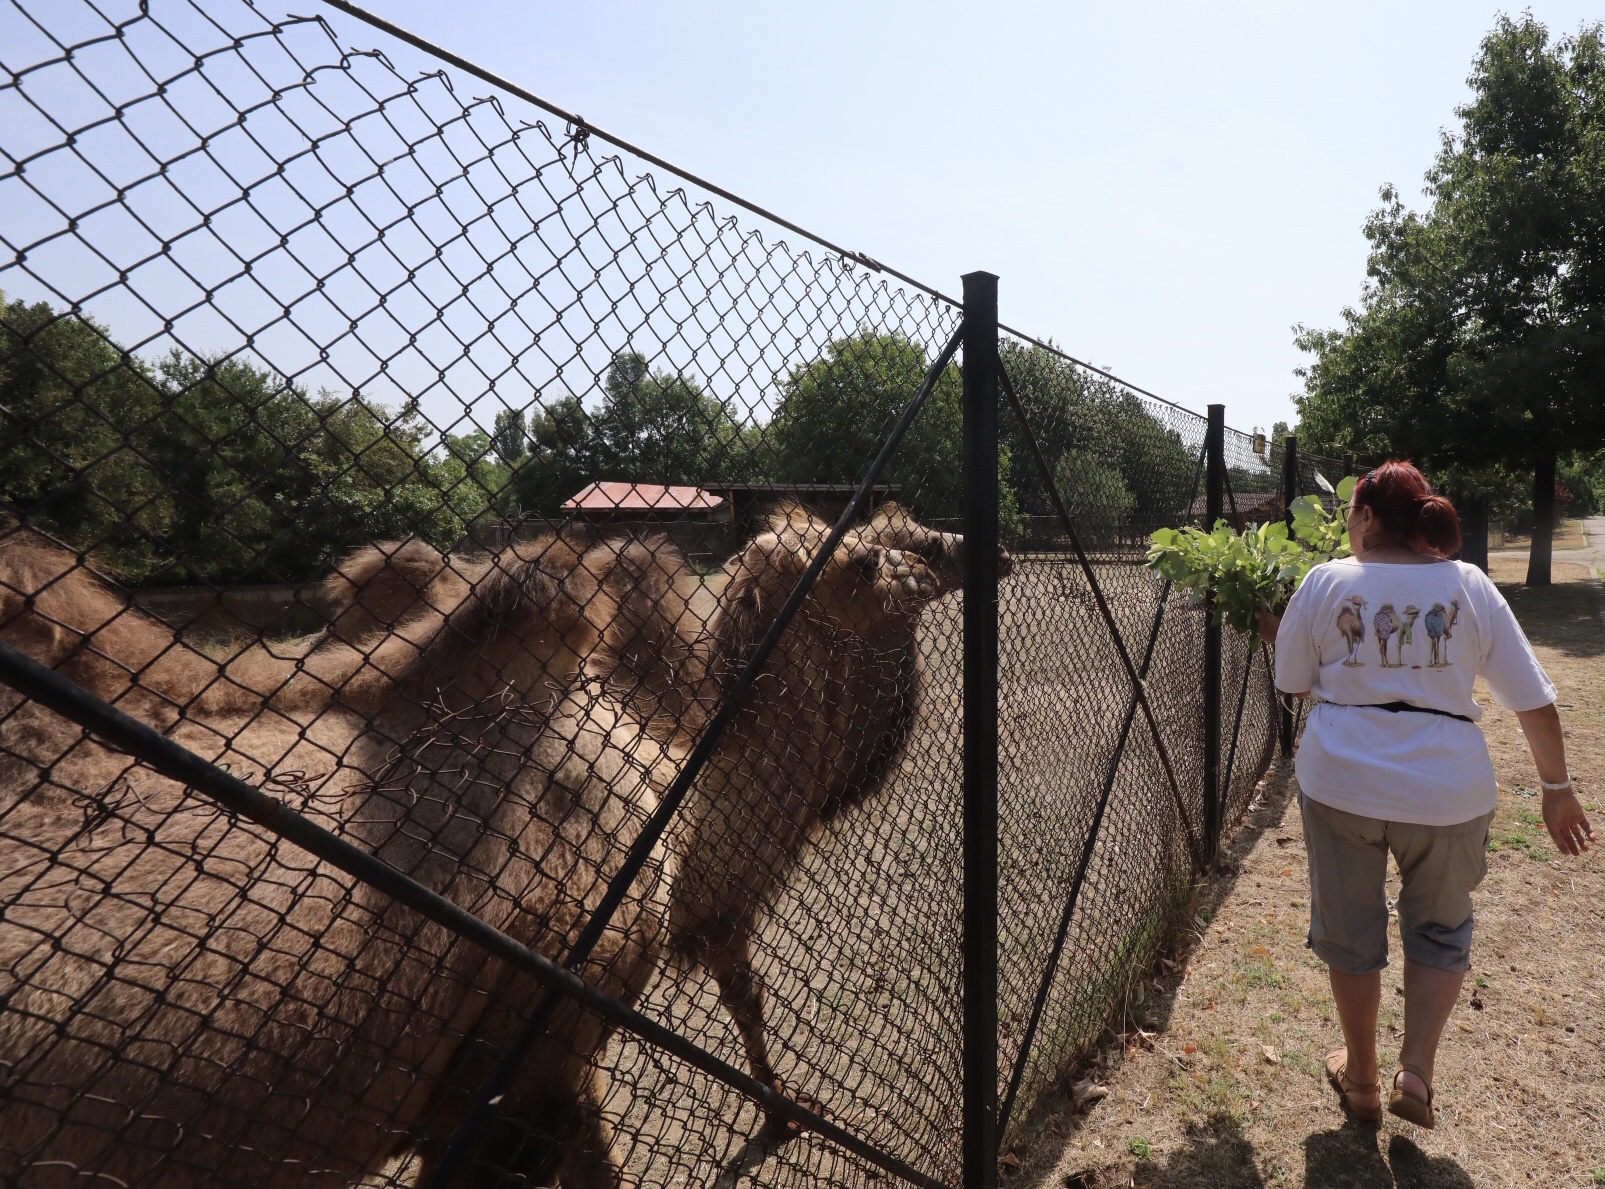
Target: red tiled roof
640	497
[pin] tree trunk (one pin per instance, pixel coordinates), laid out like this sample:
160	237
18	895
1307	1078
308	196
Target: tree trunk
1543	521
1473	512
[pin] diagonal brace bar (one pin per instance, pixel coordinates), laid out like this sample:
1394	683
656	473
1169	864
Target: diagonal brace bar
1022	1057
127	734
1237	726
1140	690
507	1067
1051	967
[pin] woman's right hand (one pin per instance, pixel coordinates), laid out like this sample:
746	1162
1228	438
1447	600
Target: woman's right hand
1267	624
1567	823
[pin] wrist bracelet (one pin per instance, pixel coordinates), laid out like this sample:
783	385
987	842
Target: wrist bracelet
1553	787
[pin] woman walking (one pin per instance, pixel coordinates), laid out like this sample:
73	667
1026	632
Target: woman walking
1392	761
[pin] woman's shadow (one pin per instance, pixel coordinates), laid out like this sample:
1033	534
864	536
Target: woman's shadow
1219	1156
1350	1157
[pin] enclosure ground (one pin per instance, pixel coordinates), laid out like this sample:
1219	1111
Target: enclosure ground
1224	1086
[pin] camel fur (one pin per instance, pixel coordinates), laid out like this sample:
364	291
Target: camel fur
190	1001
820	728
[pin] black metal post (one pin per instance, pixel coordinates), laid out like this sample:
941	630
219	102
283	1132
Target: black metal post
1473	512
1290	493
980	1106
1214	501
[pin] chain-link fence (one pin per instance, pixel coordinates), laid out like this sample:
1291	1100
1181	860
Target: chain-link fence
487	653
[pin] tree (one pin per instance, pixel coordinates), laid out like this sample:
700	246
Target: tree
212	470
1116	466
509	438
1480	337
835	413
650	427
661	427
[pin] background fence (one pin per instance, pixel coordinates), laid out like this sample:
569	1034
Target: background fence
609	837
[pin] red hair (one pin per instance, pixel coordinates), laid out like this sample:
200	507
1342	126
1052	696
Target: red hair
1407	511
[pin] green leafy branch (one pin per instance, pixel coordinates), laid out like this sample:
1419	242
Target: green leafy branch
1237	574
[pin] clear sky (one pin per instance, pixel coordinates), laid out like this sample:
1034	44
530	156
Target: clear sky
1164	188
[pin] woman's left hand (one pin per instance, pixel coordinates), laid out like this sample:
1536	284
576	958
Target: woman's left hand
1267	625
1568	824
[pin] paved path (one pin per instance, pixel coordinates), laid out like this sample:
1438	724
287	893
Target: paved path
1591	555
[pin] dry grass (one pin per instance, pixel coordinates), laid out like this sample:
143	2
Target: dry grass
1568	535
1231	1092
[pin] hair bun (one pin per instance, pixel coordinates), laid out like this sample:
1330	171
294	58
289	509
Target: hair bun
1409	512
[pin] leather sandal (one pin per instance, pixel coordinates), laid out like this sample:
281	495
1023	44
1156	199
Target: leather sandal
1410	1107
1337	1072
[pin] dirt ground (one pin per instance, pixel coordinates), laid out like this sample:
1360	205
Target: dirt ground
1223	1085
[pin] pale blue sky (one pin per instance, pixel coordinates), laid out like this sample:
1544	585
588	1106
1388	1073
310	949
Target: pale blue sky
1164	188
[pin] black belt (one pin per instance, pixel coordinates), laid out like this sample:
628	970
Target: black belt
1396	707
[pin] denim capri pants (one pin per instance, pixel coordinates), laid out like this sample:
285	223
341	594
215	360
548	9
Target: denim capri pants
1438	866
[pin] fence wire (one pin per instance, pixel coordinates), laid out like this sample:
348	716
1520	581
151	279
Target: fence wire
442	475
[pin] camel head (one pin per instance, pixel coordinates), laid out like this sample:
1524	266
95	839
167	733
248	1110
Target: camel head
1411	612
893	528
1356	602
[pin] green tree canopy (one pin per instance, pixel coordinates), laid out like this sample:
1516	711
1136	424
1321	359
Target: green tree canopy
1480	337
835	413
1117	467
192	469
651	426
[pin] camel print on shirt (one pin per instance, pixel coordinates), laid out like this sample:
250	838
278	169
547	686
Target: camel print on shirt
1384	626
1389	625
1440	630
1351	624
1407	631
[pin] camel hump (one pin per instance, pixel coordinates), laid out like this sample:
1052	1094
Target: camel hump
375	586
51	602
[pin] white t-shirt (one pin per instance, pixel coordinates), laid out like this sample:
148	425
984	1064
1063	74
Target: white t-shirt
1359	634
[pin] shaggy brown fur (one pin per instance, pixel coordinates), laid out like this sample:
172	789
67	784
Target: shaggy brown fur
819	729
189	1001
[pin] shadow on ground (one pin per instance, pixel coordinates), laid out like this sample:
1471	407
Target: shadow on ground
1350	1157
1218	1156
1565	616
1040	1140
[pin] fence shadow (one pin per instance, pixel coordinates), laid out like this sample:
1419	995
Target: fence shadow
1039	1144
1217	1156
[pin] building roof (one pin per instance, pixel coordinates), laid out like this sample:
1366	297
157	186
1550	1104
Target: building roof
640	497
880	489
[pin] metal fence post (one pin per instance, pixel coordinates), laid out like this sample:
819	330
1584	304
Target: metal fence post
980	479
1214	507
1473	512
1289	494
